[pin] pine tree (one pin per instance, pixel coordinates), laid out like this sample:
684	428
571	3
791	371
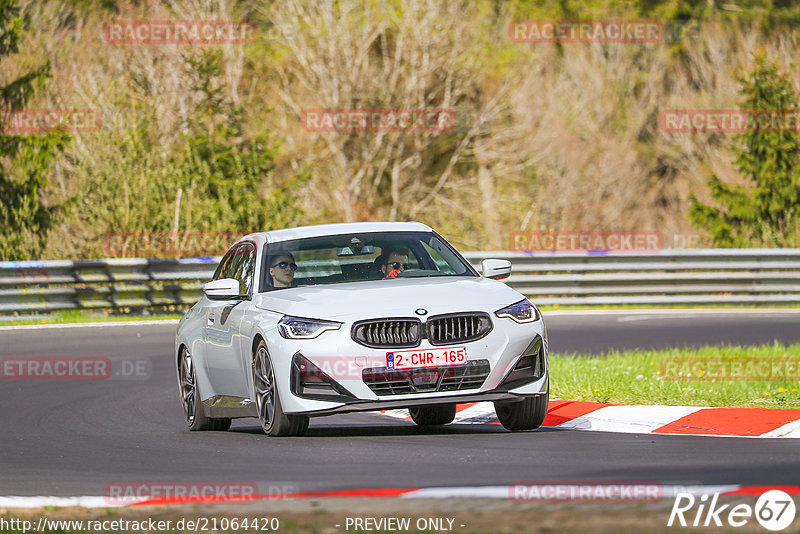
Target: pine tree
225	167
766	212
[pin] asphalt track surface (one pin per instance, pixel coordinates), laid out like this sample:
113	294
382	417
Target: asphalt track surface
69	438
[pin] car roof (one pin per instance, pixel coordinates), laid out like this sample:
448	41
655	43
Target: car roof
319	230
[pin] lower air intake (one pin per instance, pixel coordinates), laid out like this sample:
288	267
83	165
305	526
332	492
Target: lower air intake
428	379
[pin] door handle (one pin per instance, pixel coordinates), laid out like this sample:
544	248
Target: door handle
210	319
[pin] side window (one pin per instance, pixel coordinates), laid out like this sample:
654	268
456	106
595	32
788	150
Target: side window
244	273
224	265
238	264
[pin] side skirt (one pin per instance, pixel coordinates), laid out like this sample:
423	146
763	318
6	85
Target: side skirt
228	406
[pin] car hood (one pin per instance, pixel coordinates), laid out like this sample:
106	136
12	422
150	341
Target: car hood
389	298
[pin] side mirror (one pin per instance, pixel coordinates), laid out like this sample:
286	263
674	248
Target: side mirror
496	269
223	289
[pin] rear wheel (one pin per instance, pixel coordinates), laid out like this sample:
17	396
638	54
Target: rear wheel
190	398
270	414
526	414
436	414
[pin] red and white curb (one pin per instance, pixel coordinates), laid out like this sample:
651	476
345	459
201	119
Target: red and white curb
681	420
457	492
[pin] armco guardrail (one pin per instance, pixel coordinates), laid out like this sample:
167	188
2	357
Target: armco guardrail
687	276
36	286
681	276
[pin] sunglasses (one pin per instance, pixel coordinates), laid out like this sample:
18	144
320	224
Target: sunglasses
397	265
285	264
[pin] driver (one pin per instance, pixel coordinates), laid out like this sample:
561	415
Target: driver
396	262
282	270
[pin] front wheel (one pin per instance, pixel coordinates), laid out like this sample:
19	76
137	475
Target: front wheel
436	414
526	414
270	414
190	398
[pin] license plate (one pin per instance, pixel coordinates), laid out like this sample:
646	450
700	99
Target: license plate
412	359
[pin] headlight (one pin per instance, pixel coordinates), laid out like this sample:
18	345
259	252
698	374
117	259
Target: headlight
521	312
302	328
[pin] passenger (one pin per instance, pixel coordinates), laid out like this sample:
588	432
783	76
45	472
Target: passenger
395	263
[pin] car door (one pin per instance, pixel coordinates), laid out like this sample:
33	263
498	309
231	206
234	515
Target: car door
226	372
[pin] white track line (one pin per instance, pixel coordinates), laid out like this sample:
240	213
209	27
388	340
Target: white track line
789	430
483	412
42	501
636	419
506	492
629	419
475	492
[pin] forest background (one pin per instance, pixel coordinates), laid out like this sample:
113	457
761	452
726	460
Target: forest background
549	137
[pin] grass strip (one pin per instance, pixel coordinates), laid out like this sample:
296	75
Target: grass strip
81	316
764	376
685	306
89	316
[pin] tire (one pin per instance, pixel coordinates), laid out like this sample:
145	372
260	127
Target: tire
274	422
192	411
527	414
435	414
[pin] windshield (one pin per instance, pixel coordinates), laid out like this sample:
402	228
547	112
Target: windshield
360	257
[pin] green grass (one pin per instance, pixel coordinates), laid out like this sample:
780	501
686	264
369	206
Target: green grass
638	377
86	316
80	316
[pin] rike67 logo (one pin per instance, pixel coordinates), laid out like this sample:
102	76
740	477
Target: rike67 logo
774	510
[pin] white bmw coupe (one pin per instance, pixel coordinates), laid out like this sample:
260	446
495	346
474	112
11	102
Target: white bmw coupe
320	320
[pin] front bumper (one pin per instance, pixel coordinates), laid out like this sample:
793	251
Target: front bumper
538	387
503	349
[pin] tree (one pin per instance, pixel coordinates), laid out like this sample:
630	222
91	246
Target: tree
212	176
764	213
224	168
363	57
25	159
